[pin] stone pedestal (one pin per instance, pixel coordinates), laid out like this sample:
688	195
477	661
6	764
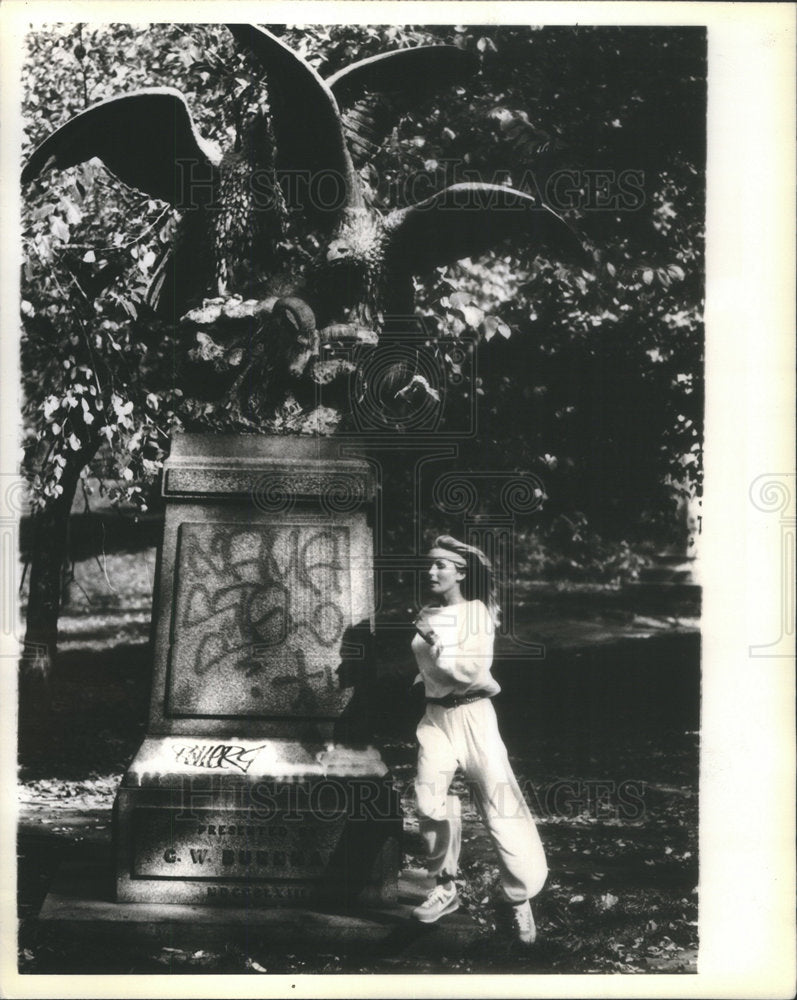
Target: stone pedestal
250	788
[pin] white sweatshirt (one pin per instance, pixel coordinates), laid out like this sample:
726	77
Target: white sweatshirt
466	633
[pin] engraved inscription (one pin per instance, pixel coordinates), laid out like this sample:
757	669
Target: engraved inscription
260	613
238	893
232	845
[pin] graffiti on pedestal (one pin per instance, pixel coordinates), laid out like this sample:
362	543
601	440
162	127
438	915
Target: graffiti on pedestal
259	615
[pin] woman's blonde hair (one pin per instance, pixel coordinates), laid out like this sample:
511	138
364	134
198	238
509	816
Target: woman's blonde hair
479	583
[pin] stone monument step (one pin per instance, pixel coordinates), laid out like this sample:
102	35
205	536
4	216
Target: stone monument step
80	907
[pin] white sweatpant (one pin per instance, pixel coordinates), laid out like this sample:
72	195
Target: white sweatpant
468	736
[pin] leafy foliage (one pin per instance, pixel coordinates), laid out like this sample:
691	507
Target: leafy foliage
593	380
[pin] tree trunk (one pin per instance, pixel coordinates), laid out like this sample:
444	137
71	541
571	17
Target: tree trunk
50	531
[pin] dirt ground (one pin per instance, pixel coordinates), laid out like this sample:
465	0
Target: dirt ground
610	767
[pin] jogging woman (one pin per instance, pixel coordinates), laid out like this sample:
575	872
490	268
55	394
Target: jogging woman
453	648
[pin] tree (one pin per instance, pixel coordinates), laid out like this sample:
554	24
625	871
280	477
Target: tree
606	123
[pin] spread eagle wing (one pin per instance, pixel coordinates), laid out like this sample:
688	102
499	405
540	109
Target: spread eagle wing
466	220
146	138
373	93
312	159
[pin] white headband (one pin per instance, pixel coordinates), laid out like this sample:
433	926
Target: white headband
452	557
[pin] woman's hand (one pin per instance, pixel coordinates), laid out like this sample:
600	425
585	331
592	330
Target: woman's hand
429	636
435	645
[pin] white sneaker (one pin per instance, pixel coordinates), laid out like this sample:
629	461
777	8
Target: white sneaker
441	900
523	923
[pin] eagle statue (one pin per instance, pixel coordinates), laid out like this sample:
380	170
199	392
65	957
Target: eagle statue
292	170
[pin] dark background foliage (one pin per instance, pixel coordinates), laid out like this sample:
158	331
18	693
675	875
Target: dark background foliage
590	379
